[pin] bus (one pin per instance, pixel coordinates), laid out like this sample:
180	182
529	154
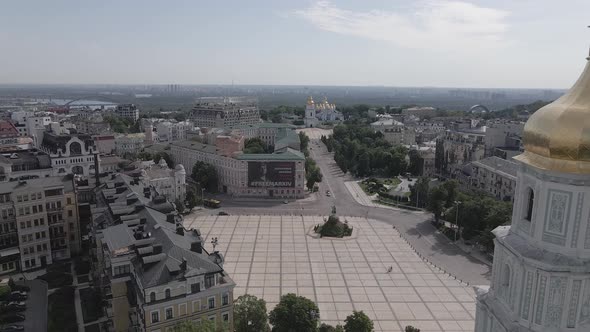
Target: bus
211	203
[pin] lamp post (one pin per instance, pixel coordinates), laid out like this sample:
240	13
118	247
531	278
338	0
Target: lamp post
214	242
457	203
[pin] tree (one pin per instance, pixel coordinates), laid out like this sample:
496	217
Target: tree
358	321
179	205
255	145
204	325
329	328
250	314
295	314
410	328
163	155
191	200
419	192
313	176
436	201
206	175
303	141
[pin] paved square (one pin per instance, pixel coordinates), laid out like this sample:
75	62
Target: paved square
268	256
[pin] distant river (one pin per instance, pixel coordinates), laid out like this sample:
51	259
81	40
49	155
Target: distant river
61	102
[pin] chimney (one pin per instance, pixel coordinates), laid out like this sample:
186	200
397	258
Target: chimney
170	218
196	247
183	264
179	229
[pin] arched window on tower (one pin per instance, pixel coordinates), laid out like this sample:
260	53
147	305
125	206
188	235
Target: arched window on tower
152	297
505	282
530	204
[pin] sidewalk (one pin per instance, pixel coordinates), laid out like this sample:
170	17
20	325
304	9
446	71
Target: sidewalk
362	198
472	251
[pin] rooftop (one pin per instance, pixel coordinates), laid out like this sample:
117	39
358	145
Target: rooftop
498	164
49	182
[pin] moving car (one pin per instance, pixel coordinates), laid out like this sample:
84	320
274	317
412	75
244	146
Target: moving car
11	328
223	213
328	193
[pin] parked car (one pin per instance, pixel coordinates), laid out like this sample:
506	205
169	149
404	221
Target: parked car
22	293
12	318
11	328
17	297
285	202
223	213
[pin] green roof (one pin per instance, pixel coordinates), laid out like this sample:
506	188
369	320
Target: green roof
286	154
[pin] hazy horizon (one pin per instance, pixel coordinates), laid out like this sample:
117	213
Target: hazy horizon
483	44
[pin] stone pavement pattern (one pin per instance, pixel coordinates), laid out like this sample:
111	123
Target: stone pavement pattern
268	256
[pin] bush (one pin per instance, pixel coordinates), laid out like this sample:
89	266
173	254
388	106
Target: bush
4	291
91	301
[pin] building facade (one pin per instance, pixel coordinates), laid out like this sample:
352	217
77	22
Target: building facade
70	153
541	275
224	115
280	174
129	144
128	111
153	271
40	223
319	113
495	176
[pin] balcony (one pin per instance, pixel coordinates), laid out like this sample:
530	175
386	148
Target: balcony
53	209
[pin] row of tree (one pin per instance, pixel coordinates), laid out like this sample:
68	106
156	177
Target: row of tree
256	145
476	214
362	151
292	314
275	115
313	174
122	125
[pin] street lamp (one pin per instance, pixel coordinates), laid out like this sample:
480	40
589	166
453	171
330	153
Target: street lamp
457	203
214	242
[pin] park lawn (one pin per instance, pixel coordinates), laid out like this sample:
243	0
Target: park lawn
91	304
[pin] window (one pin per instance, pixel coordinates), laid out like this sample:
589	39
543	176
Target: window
225	299
122	269
530	204
70	213
155	316
169	313
225	316
69	200
195	288
209	281
196	306
211	302
182	309
167	293
152	296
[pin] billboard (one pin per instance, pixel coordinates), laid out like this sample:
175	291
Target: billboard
271	174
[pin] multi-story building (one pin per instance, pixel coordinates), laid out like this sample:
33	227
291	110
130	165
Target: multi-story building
495	176
24	164
278	174
172	131
104	143
153	271
43	215
170	183
503	134
272	134
395	132
70	153
462	146
224	115
129	144
127	111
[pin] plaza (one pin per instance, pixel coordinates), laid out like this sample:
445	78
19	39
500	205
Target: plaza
268	256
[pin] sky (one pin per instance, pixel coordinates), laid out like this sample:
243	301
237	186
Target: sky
471	44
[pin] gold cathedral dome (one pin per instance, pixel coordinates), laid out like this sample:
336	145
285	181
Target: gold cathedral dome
557	136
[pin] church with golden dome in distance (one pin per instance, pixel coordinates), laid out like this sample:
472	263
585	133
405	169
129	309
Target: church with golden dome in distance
541	273
320	113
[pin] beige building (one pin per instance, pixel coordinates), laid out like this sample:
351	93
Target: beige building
224	115
39	224
154	272
280	174
495	176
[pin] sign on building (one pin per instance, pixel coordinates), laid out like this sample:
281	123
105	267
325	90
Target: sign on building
271	174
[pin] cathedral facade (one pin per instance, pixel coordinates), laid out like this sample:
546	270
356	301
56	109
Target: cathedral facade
319	113
541	273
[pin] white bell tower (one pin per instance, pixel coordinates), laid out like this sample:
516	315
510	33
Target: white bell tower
541	272
310	119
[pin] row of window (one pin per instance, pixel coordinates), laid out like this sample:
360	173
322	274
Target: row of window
8	227
25	197
27	209
169	312
31	249
29	237
30	223
8	266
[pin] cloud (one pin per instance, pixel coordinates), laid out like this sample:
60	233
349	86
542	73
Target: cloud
427	25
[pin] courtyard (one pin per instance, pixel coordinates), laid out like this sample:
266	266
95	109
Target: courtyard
268	256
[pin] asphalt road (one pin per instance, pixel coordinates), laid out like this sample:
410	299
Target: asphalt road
414	226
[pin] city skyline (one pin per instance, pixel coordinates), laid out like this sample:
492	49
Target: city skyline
466	44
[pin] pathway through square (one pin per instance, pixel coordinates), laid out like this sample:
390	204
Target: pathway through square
268	256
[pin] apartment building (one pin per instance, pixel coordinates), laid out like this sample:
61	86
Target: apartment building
495	176
224	115
128	111
153	271
39	223
69	153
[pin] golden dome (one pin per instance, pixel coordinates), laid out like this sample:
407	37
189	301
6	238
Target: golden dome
310	100
557	136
